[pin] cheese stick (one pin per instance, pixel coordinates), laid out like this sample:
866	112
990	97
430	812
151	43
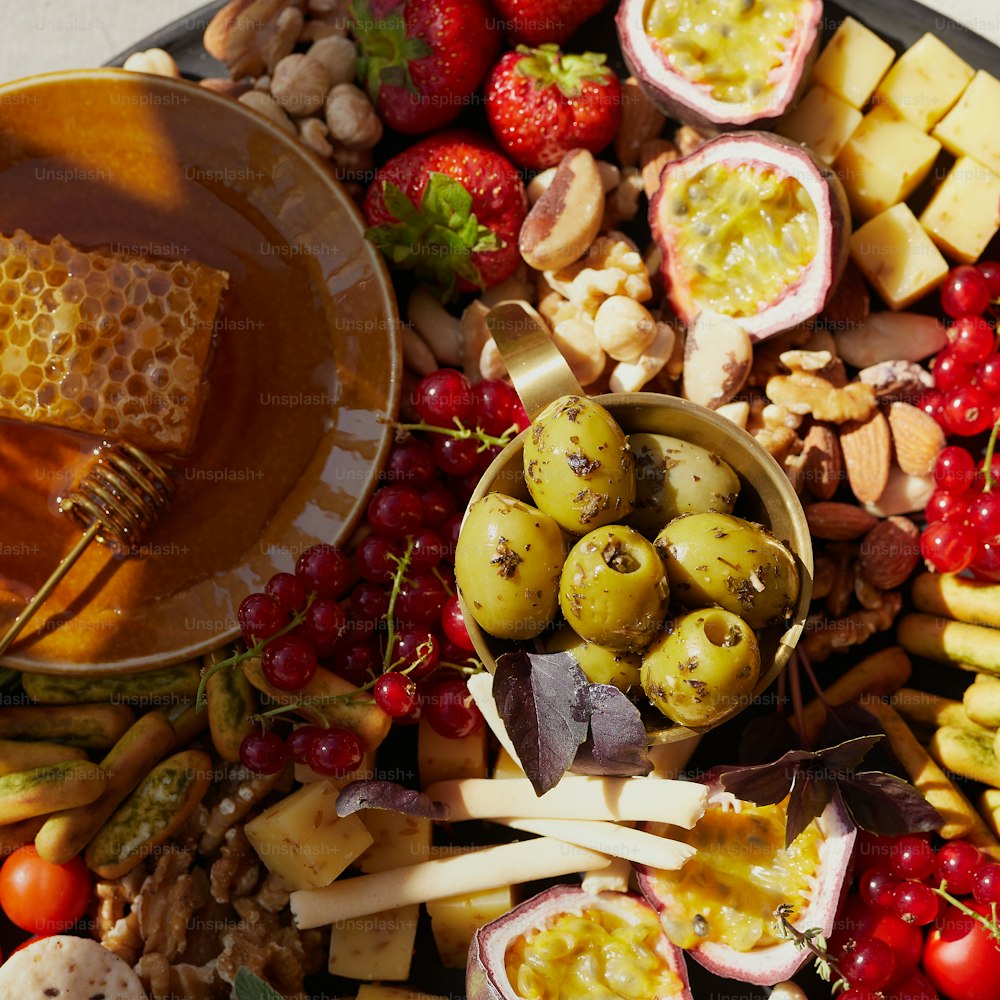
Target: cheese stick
659	800
477	871
970	647
609	838
951	596
932	711
982	701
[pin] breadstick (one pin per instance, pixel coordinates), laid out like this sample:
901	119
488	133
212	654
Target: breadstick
879	674
931	711
477	871
982	701
971	647
927	777
955	597
966	753
989	808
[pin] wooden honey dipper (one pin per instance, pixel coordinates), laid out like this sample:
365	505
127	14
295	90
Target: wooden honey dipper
116	503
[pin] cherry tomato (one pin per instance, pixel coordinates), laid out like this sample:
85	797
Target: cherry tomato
41	897
961	958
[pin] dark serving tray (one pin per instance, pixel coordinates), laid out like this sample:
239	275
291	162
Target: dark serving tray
899	22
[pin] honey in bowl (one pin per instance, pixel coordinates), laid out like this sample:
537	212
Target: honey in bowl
305	362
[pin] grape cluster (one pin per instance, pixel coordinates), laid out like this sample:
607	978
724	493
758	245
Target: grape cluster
386	618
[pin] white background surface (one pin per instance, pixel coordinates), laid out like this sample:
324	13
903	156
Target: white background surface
40	35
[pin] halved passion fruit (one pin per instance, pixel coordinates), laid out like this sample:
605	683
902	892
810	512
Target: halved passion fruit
732	63
721	905
567	944
752	226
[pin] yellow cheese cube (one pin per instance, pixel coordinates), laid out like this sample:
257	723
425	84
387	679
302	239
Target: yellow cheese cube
376	991
397	840
506	766
884	161
378	946
964	214
927	79
440	758
304	841
970	128
898	257
456	919
853	62
823	121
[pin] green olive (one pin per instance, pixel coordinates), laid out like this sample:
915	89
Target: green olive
702	667
613	590
577	465
727	561
600	664
676	477
507	565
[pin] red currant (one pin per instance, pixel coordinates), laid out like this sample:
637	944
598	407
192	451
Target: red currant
497	403
376	559
985	563
449	532
438	504
263	753
990	270
411	463
450	710
395	694
954	469
988	375
968	410
299	741
912	856
453	625
971	338
416	648
259	617
965	292
947	546
421	598
335	752
287	591
325	570
369	602
956	863
877	885
428	549
456	456
326	622
289	662
915	987
358	663
915	903
870	965
931	402
951	372
984	514
444	396
986	883
395	512
946	507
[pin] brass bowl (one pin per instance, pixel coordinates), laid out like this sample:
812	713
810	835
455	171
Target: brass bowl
766	496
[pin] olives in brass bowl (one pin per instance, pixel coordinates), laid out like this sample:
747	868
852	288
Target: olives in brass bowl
701	579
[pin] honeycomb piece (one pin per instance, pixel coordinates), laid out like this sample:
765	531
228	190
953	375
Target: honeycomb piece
108	345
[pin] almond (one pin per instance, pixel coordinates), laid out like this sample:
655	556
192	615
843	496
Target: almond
890	552
918	438
838	522
823	462
867	448
641	121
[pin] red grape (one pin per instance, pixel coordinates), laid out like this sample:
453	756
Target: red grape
335	752
263	753
259	617
287	591
299	741
289	662
324	570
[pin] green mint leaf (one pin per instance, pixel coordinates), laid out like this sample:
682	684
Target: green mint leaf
250	986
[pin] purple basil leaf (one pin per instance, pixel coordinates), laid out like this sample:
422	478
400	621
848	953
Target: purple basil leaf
849	720
378	794
810	795
886	805
765	784
542	699
766	738
616	744
847	755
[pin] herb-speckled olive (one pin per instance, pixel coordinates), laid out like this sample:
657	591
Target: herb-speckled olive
613	590
727	561
702	667
507	564
600	664
577	465
676	477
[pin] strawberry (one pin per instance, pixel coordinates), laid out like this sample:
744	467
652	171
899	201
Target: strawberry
449	208
536	21
422	60
541	104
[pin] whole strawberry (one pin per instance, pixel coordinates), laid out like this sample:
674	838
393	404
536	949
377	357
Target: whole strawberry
542	103
422	60
449	208
536	21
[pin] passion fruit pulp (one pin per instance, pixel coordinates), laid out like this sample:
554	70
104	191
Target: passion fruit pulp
567	944
720	906
731	63
752	226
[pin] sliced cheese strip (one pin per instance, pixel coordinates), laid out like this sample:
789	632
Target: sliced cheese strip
610	838
658	800
489	868
615	878
481	688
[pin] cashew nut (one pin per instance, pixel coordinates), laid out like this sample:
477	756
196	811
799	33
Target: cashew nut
155	61
631	376
417	356
624	328
440	330
339	55
351	117
300	85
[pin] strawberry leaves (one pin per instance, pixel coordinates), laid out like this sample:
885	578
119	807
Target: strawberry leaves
880	803
556	718
386	48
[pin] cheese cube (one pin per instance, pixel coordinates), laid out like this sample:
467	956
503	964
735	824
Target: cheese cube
376	991
397	840
853	62
970	128
884	161
378	946
302	839
964	214
506	766
927	79
823	121
456	919
898	257
440	758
